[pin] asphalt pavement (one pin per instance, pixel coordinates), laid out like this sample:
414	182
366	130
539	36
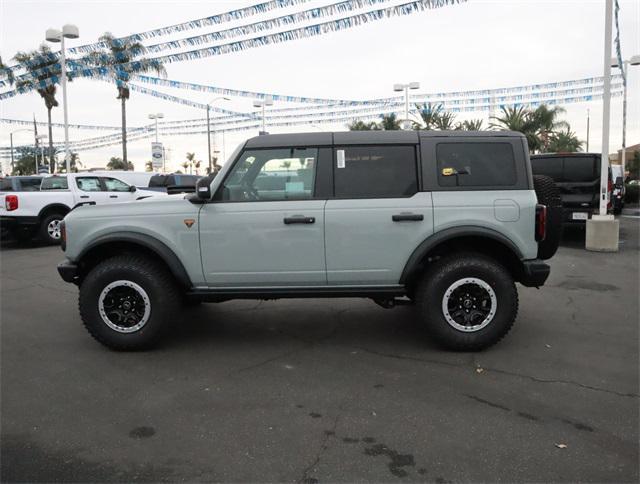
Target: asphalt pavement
326	390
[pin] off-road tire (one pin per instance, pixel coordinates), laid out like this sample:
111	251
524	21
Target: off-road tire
548	194
43	231
445	272
163	293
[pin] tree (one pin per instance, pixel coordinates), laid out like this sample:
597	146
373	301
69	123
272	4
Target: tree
469	125
518	118
74	162
34	61
184	165
191	159
196	165
124	60
545	123
286	164
429	116
148	166
25	161
116	163
633	166
389	122
563	140
359	125
445	121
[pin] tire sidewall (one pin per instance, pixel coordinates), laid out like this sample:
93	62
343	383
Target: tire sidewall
442	278
90	291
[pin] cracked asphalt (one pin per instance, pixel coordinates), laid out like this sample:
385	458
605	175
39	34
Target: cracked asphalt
326	390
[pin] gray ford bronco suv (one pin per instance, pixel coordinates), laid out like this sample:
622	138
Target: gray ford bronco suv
447	221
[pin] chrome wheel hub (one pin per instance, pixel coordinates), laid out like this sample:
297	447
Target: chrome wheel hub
53	229
124	306
469	304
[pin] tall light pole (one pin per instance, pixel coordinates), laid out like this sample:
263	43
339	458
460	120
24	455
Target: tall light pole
603	231
209	104
588	120
54	35
405	88
155	117
634	61
11	142
41	138
263	103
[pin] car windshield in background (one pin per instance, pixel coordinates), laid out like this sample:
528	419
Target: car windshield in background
54	183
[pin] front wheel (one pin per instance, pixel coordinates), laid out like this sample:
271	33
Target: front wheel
468	301
127	302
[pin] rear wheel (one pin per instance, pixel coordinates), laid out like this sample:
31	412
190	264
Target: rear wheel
49	231
468	301
127	302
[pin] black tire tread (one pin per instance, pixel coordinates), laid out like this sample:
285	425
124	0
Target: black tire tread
455	340
142	264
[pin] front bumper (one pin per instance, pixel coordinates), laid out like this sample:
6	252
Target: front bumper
68	271
534	273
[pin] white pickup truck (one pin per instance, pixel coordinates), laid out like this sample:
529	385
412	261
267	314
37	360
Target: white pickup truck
26	214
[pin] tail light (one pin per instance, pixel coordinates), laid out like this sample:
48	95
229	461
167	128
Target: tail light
609	192
541	222
11	202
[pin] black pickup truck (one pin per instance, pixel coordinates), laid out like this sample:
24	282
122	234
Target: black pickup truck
577	175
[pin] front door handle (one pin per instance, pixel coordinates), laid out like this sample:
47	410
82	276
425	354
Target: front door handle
407	217
299	219
113	196
84	196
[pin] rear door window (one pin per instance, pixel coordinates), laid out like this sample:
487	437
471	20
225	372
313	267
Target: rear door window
89	184
579	169
54	183
475	164
550	166
30	184
115	185
375	171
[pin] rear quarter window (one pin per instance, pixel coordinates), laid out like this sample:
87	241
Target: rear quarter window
6	185
54	183
475	164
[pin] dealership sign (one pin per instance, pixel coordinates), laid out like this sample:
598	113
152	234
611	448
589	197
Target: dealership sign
157	156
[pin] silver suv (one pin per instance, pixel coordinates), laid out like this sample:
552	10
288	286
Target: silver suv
447	221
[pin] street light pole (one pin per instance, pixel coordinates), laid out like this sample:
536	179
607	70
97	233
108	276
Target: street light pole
405	88
624	68
53	35
209	129
263	103
606	109
588	113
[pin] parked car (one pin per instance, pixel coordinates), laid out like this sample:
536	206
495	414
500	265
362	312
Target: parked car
30	213
172	183
20	183
577	175
448	221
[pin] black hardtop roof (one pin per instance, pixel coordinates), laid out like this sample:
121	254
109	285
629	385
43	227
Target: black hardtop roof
565	155
366	137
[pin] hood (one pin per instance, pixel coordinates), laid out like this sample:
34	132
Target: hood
147	206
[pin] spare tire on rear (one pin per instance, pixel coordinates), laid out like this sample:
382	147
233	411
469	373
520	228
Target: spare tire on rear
549	195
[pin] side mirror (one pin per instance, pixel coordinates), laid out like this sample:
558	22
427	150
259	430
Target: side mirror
132	188
203	188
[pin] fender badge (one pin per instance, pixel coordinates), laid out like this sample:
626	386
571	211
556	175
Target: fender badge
189	222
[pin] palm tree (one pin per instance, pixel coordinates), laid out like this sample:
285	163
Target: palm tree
191	159
74	163
34	61
196	165
470	125
359	125
185	165
564	140
116	163
445	121
389	122
429	115
117	55
148	166
546	123
518	118
286	164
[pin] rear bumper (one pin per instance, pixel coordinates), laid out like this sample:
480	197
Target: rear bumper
68	271
567	215
14	222
534	273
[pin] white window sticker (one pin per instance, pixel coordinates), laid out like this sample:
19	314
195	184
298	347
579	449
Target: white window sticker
340	158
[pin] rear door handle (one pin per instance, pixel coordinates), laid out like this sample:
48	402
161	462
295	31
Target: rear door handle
407	217
113	196
299	219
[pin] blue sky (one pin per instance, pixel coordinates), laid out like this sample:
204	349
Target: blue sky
475	45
